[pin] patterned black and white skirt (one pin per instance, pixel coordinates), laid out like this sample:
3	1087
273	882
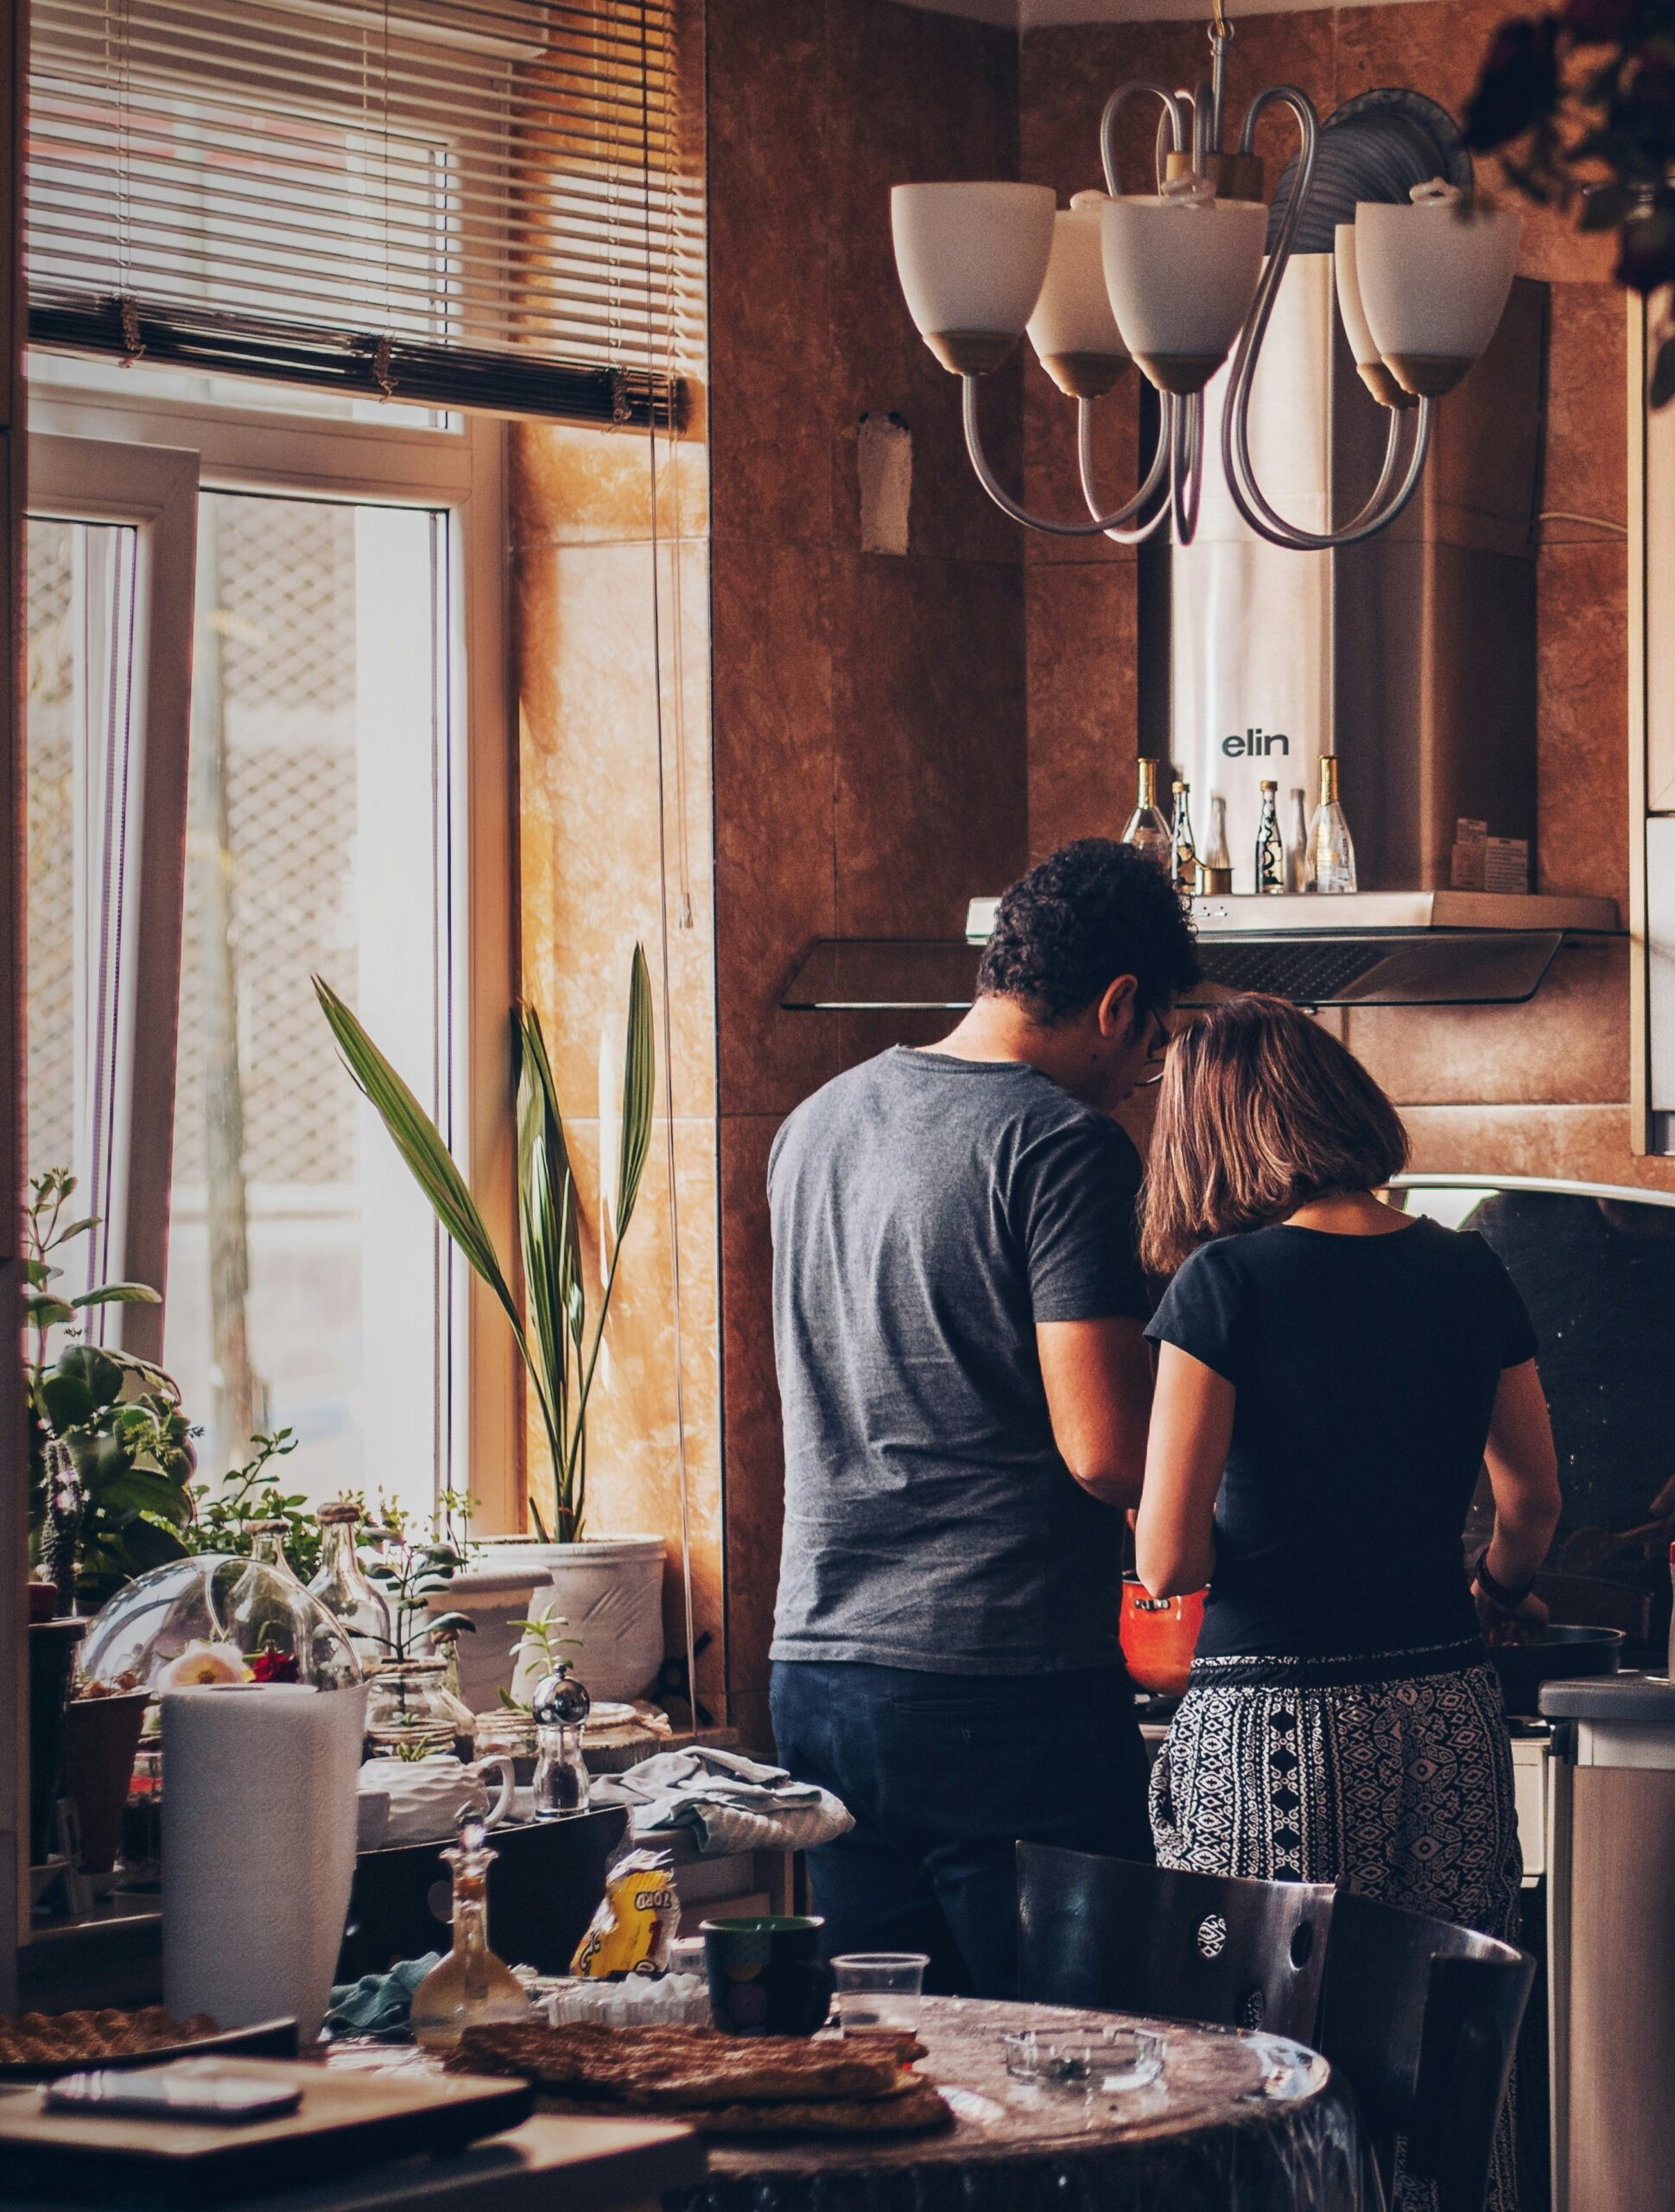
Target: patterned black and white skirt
1391	1772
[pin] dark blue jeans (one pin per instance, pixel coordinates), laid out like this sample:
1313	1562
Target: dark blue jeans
944	1775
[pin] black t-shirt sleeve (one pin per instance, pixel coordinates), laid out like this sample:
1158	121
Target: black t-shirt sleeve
1519	1341
1199	1312
1078	1224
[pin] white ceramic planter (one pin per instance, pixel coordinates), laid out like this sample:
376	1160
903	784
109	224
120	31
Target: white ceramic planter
494	1592
608	1590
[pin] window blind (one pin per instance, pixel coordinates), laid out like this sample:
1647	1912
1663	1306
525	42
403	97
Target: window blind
453	203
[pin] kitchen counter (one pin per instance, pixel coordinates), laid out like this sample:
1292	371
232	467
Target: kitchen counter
1627	1701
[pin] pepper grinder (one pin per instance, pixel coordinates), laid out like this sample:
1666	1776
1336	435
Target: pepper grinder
559	1707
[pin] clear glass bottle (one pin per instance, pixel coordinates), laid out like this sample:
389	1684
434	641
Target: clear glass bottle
470	1987
268	1618
1146	827
559	1707
1270	871
1182	846
340	1584
1296	842
1331	849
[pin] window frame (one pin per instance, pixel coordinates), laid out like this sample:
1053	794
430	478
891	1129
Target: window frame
459	469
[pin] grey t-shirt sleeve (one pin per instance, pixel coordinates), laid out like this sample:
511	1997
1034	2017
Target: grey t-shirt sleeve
1081	1184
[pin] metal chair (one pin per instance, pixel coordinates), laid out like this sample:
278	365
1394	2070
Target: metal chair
1122	1937
1421	2019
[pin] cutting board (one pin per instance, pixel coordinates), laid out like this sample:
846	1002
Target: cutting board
345	2121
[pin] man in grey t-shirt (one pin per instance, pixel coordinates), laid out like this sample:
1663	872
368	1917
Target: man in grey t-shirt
958	1316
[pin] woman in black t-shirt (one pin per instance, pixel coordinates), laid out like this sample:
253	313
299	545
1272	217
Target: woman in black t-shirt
1331	1376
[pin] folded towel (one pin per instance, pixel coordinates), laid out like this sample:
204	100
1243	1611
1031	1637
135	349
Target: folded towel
726	1802
379	2004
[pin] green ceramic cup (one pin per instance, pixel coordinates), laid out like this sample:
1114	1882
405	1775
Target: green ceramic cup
766	1976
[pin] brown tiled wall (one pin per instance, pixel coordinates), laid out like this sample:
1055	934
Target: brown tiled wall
869	707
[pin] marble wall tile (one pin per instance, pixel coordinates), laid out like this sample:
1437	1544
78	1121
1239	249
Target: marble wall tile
1568	1045
589	827
774	829
928	714
770	209
1587	1144
1083	734
755	1456
1581	696
890	133
1587	446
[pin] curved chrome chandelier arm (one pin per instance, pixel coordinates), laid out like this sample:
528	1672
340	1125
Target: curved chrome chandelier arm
1003	499
1382	507
1174	113
1186	465
1154	477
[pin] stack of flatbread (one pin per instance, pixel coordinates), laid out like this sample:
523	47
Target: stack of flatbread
721	2085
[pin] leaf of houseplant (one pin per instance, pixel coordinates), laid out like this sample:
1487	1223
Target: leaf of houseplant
541	1232
119	1294
415	1137
639	1092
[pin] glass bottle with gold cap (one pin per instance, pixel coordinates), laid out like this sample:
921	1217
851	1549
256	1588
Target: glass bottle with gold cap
1182	846
1146	828
470	1987
1270	875
1331	849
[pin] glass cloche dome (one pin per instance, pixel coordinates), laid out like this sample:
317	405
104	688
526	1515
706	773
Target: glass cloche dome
216	1618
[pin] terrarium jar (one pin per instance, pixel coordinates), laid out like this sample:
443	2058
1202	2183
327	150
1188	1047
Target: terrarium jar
410	1711
214	1619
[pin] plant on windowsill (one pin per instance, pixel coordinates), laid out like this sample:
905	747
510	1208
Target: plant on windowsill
558	1342
110	1453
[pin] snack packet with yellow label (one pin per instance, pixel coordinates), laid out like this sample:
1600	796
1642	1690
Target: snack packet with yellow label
638	1918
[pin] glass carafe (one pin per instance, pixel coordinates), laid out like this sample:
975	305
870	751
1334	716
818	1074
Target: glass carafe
470	1987
340	1583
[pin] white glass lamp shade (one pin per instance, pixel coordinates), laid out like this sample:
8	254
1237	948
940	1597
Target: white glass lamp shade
1369	361
1433	284
1181	277
1073	329
972	258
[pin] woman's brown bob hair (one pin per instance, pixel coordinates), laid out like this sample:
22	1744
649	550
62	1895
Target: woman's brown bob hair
1261	1110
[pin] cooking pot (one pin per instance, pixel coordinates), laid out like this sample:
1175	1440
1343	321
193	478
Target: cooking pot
1160	1636
1562	1653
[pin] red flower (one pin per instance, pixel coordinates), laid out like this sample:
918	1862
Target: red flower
275	1667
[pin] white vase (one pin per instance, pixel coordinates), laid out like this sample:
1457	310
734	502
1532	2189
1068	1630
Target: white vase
608	1591
493	1592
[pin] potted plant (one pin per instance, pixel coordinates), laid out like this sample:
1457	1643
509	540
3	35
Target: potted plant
609	1587
411	1709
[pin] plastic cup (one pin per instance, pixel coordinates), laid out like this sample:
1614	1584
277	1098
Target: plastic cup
877	1993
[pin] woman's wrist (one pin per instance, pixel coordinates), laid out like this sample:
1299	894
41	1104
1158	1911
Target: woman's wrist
1507	1596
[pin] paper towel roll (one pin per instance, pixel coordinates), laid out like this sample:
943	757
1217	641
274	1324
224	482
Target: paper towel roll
259	1815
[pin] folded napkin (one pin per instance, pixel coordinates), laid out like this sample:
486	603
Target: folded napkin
379	2004
725	1802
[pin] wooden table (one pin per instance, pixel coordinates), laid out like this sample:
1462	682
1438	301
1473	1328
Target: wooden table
1240	2123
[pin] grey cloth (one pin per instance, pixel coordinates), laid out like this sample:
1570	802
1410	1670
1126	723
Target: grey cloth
726	1803
928	1211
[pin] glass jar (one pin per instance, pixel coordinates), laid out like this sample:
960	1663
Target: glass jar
410	1711
341	1586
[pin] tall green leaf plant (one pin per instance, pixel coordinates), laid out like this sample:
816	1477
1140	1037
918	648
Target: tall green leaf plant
559	1350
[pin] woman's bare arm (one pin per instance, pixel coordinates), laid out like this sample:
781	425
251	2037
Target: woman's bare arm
1524	1476
1186	1454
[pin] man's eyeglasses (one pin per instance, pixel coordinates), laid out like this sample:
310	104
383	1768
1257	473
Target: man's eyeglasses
1157	1044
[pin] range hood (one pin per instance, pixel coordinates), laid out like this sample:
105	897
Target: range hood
1374	948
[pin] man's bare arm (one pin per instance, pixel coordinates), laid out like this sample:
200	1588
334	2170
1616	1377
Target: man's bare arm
1098	1376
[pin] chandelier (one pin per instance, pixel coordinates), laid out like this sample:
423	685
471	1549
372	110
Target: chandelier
1179	278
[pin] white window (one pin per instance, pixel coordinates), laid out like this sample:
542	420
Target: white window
327	801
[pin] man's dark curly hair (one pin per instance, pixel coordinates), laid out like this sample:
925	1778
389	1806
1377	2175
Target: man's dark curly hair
1088	913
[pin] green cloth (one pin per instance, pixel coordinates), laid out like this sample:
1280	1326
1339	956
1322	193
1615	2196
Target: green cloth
379	2004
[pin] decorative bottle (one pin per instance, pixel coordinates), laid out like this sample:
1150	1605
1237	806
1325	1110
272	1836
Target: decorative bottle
1182	850
470	1987
1297	843
1215	862
1270	875
1331	849
1146	827
268	1618
341	1586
